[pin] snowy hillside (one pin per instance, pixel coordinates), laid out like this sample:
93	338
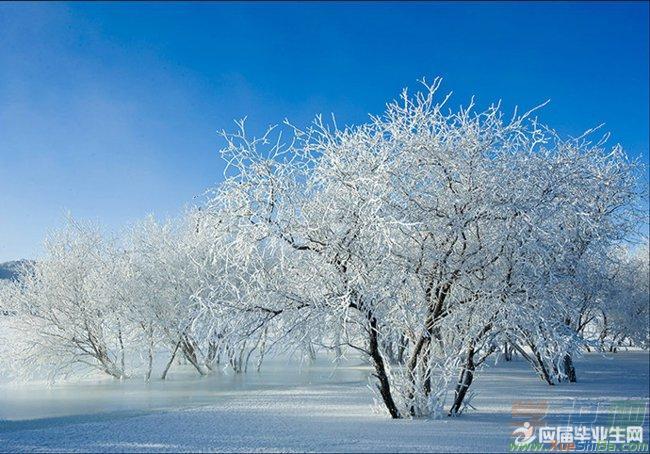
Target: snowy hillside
10	270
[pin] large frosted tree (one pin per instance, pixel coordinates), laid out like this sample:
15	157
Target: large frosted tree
431	234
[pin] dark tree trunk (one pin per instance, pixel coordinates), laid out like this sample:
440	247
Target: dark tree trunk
122	355
380	370
569	369
536	362
171	360
101	355
211	358
541	369
507	352
189	351
464	382
420	354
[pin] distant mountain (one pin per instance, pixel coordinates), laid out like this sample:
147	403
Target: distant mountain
11	270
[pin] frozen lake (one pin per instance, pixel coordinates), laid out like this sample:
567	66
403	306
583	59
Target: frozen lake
184	388
288	408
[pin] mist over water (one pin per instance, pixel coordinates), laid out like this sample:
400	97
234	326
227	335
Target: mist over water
184	388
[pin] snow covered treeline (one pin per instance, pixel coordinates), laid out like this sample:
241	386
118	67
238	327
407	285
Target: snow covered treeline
426	240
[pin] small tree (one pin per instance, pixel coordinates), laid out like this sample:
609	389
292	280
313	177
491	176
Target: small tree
66	319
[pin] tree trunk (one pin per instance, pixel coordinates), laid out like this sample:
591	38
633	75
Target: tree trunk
467	374
260	358
380	370
171	360
536	362
569	368
401	348
101	355
541	369
122	356
189	351
507	352
421	350
464	382
149	362
211	358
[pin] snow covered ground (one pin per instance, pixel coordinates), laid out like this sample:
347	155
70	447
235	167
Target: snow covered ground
284	408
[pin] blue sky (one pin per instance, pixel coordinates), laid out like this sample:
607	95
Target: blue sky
111	111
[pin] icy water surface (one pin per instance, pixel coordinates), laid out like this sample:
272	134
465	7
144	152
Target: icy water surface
182	389
287	409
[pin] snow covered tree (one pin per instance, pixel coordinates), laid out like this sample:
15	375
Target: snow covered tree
66	315
425	240
163	283
624	317
426	233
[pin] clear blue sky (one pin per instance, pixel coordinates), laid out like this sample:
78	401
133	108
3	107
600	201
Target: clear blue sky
111	110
